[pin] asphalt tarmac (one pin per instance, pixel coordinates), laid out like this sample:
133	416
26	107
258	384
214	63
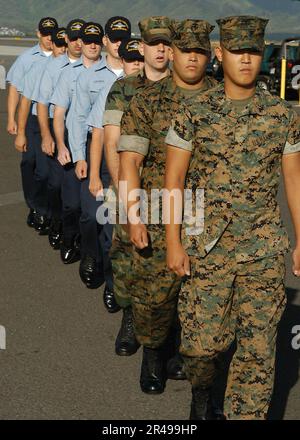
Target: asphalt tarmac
59	361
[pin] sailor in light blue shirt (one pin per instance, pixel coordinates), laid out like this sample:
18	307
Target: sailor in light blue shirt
22	65
89	84
45	115
96	238
61	99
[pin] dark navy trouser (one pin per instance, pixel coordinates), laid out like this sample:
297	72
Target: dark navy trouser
34	169
56	174
70	194
96	239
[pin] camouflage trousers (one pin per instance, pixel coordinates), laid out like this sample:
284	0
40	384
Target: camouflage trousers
122	261
224	301
154	293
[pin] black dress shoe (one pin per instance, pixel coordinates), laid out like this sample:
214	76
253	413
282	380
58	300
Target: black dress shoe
30	218
70	250
41	224
55	234
153	378
175	368
110	302
90	273
126	342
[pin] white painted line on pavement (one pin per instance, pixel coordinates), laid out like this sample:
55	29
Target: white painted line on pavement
12	50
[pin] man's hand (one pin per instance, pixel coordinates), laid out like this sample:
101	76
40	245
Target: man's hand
21	143
81	169
12	127
95	186
138	236
177	260
48	145
63	155
296	262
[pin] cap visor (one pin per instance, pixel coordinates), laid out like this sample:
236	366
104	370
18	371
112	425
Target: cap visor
73	35
157	38
46	33
193	45
117	35
133	58
60	43
244	45
91	39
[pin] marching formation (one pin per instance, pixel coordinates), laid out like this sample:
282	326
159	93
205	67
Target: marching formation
99	116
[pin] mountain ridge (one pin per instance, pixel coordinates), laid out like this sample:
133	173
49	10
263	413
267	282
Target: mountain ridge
25	14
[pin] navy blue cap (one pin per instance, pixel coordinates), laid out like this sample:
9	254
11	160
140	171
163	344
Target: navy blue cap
47	25
129	50
91	33
58	37
118	28
74	27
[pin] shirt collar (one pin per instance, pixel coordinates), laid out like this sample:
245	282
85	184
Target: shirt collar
172	90
258	105
37	49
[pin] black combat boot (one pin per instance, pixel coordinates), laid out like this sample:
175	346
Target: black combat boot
55	234
175	368
70	250
175	365
200	406
90	273
126	342
216	412
153	377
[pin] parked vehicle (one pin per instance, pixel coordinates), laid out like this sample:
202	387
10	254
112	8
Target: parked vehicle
269	77
290	49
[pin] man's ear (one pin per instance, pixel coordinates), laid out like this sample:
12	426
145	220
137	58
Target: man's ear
141	48
171	54
38	34
219	53
104	40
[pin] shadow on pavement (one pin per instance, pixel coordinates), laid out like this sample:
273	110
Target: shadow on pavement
287	358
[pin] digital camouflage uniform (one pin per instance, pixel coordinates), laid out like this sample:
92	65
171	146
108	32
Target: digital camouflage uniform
117	102
144	127
236	287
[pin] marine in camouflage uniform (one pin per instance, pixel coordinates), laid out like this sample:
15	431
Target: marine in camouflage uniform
144	126
117	102
236	286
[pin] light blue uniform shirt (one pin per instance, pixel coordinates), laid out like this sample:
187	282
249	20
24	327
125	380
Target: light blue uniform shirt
44	90
66	87
88	86
31	79
22	65
95	119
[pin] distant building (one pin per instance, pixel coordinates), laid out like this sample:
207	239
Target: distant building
7	32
